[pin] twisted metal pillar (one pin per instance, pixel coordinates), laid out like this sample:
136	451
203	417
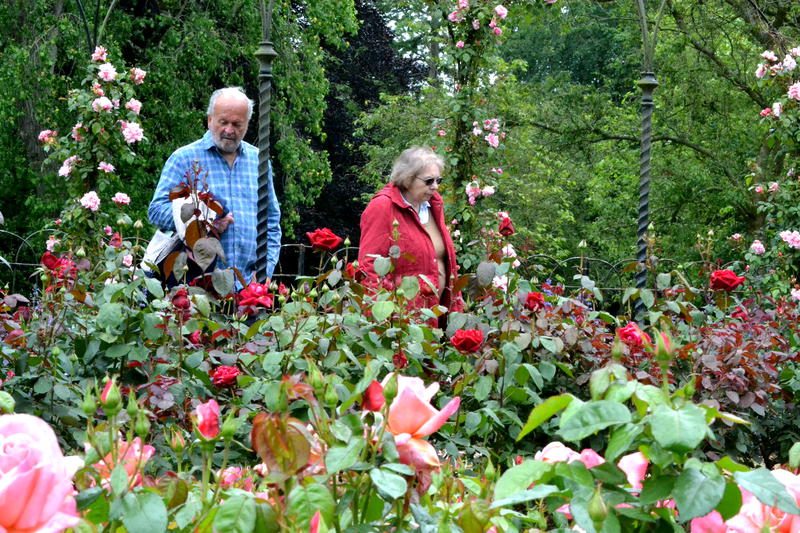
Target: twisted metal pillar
265	54
648	85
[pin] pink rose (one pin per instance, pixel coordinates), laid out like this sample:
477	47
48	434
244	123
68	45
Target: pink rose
633	336
460	44
134	105
498	31
759	189
106	72
207	419
131	455
67	166
766	112
102	104
137	75
90	201
106	167
36	493
121	199
757	247
127	260
501	11
48	136
132	131
794	91
635	467
556	452
493	140
411	417
774	186
100	54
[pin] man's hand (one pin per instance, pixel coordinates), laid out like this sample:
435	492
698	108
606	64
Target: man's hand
221	224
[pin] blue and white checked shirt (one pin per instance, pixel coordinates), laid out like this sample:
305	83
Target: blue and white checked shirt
236	188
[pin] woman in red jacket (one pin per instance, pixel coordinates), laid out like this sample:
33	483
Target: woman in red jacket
411	204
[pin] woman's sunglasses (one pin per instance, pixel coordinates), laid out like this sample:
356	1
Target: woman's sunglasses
429	181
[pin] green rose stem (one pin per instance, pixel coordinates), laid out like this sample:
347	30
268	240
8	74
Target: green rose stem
222	470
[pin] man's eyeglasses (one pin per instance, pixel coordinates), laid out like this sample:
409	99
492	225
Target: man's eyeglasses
429	181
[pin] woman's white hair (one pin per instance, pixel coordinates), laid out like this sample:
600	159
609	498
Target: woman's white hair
411	162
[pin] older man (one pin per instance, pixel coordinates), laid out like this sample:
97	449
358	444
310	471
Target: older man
232	166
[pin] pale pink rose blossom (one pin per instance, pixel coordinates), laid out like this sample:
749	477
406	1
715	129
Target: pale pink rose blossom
774	186
477	131
777	109
115	101
498	31
100	54
769	55
48	136
487	190
106	167
90	201
796	294
76	131
36	493
501	11
476	24
51	243
106	72
761	70
776	69
493	140
130	455
121	199
497	170
500	282
795	51
766	112
108	230
794	91
492	23
463	4
789	64
756	516
127	260
132	132
508	250
98	89
792	238
455	16
457	233
67	165
556	452
137	75
441	133
759	189
736	236
460	44
757	247
102	104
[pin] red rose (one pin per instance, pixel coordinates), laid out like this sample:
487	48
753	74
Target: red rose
116	240
400	361
255	295
196	337
534	301
373	397
181	300
467	340
725	280
225	376
506	227
633	336
324	239
50	261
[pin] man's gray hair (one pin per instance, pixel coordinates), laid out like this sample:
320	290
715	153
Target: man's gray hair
230	91
411	162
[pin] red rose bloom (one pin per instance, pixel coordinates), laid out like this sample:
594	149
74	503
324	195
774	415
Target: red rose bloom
324	239
256	295
633	336
181	300
506	227
400	361
725	280
225	376
467	340
50	261
373	397
116	240
534	301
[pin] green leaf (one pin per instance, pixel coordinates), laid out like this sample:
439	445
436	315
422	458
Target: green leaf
766	487
731	501
343	457
518	478
620	440
679	430
552	344
543	412
647	297
663	281
697	494
144	512
592	417
485	273
536	493
110	316
382	265
305	501
119	480
154	287
656	489
794	455
389	485
236	515
410	286
382	310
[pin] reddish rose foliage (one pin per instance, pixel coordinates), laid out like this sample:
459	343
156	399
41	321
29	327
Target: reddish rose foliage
224	376
467	340
725	280
400	361
534	301
506	228
324	239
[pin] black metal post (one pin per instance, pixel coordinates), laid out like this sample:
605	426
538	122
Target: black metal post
265	54
648	85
